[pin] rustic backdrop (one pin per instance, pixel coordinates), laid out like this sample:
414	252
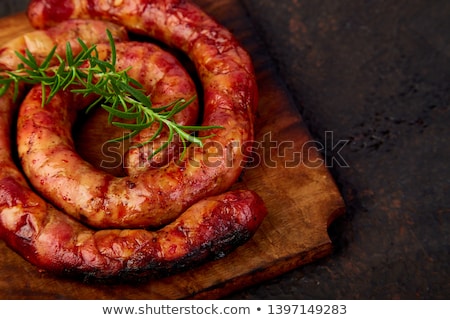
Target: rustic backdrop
372	81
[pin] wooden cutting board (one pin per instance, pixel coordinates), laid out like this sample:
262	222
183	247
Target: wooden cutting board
291	177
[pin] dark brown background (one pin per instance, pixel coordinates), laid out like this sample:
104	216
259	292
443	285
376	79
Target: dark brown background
375	74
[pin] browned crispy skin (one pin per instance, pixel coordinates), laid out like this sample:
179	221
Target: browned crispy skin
210	228
53	241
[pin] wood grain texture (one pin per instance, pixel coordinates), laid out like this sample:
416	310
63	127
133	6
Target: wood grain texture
300	194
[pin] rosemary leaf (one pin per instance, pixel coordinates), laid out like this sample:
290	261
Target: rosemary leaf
118	94
121	114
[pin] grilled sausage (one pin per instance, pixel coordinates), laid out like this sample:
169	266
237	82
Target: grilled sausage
210	227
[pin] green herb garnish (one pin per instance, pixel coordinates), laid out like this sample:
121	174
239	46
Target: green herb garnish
120	95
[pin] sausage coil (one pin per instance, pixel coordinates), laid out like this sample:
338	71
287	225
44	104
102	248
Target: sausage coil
204	221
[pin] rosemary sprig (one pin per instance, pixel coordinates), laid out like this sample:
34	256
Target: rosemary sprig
120	95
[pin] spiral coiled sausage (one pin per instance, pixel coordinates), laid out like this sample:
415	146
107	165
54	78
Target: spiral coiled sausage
210	223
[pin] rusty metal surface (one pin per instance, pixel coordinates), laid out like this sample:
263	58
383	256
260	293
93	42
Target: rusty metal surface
375	74
372	81
8	7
